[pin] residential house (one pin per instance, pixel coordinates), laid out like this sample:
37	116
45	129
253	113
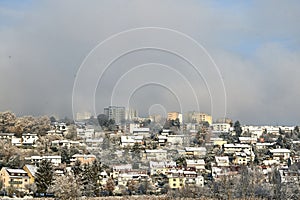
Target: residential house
93	144
65	143
220	127
7	136
279	154
84	159
86	133
141	132
161	167
240	158
176	140
179	178
176	179
264	145
130	140
55	160
27	139
155	154
218	141
247	140
289	176
31	170
222	161
197	164
192	178
232	148
196	152
166	132
118	169
162	140
16	178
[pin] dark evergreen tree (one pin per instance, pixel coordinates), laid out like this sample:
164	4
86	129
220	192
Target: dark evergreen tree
296	129
86	181
65	156
238	129
44	176
90	179
103	120
76	169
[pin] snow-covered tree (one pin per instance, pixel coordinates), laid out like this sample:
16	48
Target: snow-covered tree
90	179
66	188
44	176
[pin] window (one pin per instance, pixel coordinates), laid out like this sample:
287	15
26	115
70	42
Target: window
180	184
174	179
174	184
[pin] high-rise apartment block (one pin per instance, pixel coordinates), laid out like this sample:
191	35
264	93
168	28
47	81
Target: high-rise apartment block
116	113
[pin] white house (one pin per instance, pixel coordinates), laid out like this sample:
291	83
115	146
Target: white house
141	131
198	164
65	143
130	140
279	154
240	158
55	160
222	161
247	140
220	127
175	139
7	136
156	154
264	145
232	148
195	151
27	139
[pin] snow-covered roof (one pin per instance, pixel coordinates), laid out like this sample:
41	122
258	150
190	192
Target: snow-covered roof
280	151
16	171
190	172
141	130
195	148
122	167
84	156
236	146
32	169
264	144
195	162
153	164
155	151
94	140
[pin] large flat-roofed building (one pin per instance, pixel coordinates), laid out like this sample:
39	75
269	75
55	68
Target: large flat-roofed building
117	113
198	117
172	115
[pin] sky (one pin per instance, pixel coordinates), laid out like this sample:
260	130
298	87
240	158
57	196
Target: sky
236	59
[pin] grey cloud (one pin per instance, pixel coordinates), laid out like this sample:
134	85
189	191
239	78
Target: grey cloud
43	46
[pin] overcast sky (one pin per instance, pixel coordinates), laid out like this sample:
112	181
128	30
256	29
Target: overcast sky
247	69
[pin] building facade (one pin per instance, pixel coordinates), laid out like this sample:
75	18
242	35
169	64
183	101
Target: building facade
117	113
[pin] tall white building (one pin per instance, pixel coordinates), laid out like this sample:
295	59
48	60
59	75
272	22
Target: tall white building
116	113
83	116
131	114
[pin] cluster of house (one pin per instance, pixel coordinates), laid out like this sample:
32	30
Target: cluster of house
156	165
20	179
27	139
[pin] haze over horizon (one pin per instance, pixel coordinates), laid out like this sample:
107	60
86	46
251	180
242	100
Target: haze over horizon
255	46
